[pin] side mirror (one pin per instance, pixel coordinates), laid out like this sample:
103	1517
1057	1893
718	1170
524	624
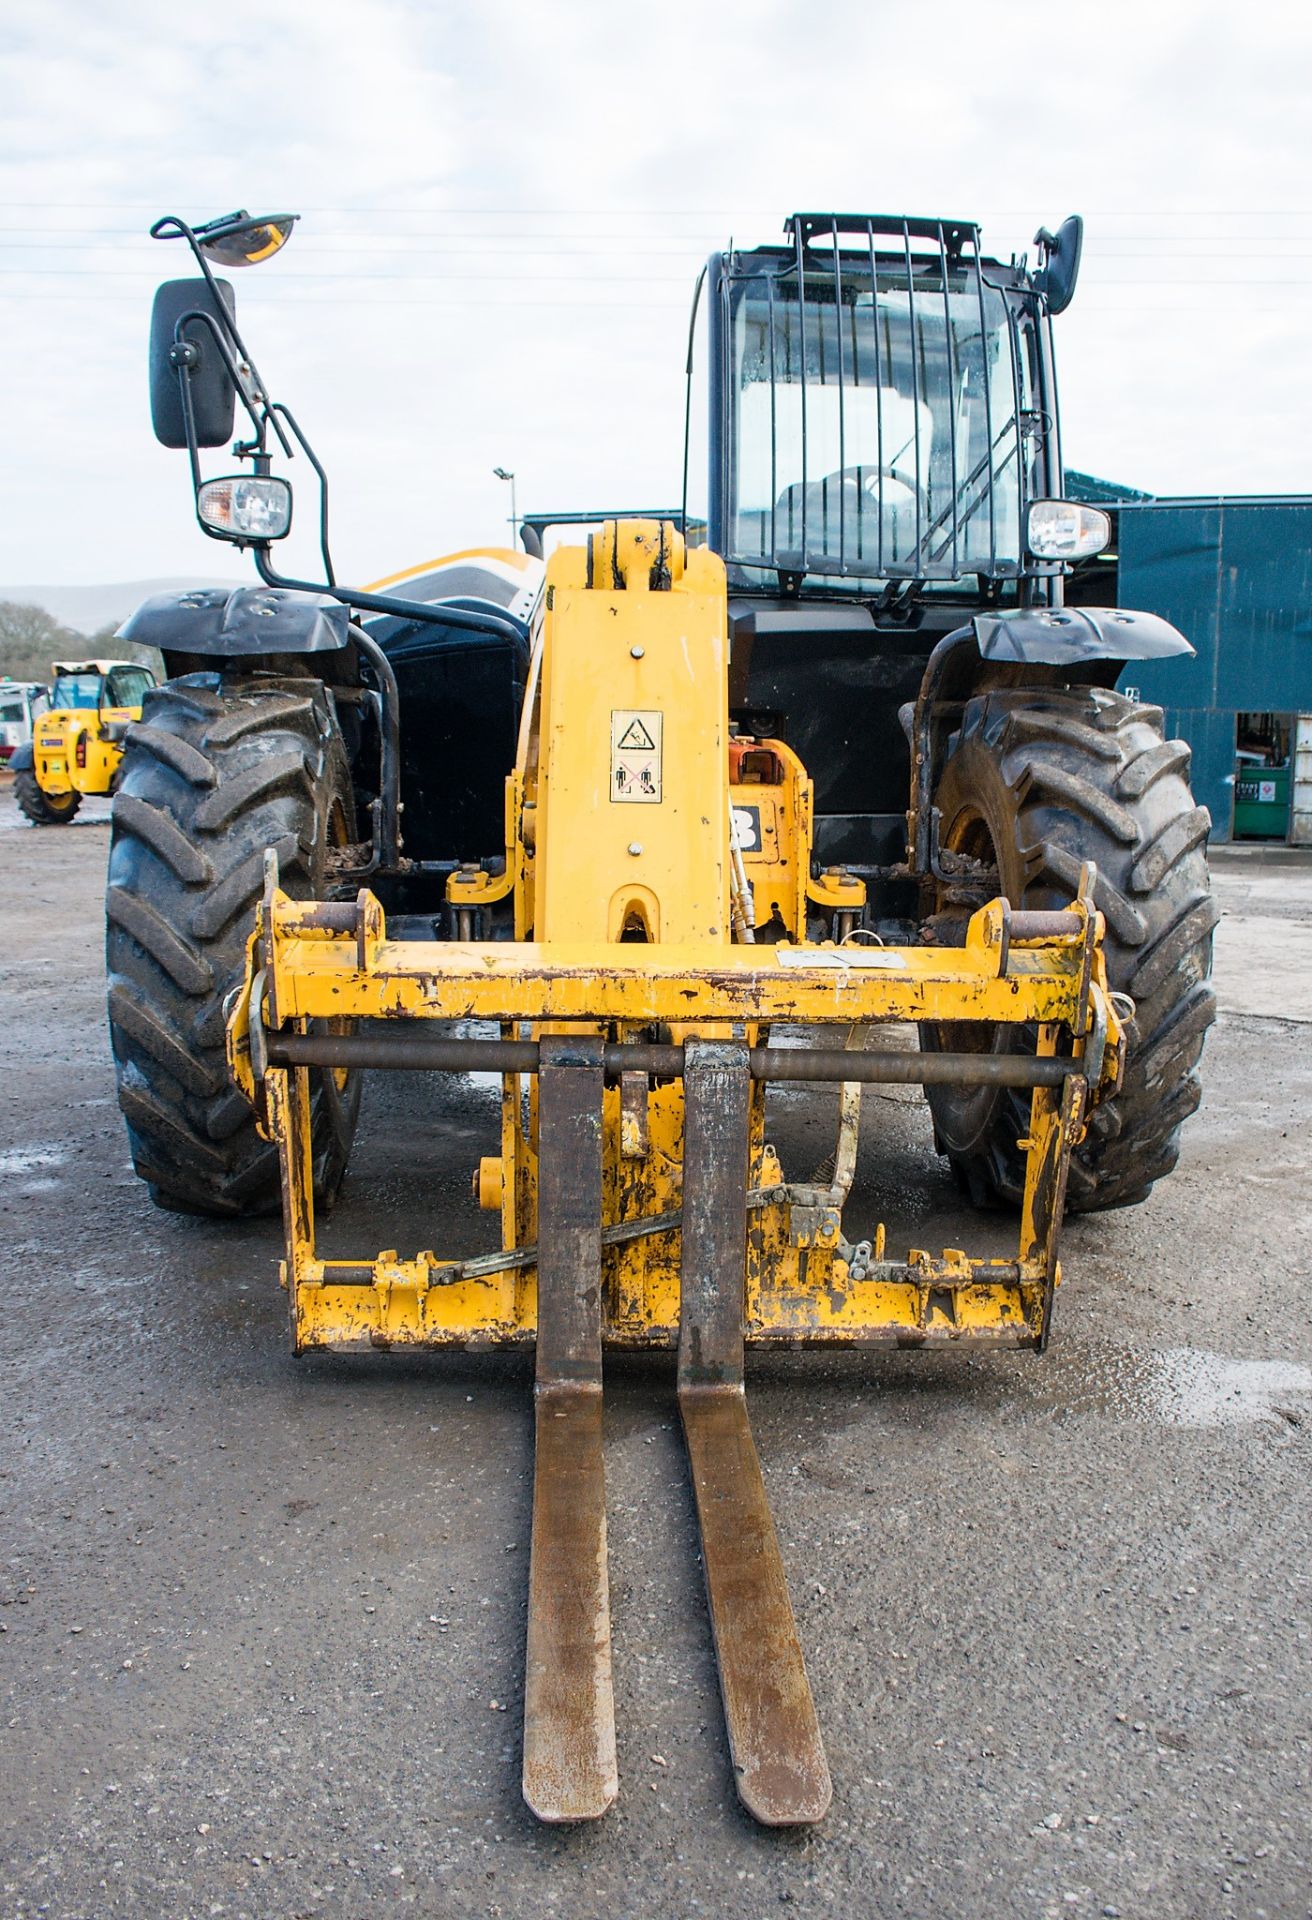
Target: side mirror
213	395
1061	263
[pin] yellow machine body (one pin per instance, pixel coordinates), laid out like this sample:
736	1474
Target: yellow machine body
77	749
661	877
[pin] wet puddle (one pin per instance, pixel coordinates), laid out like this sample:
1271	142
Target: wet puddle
28	1159
1184	1387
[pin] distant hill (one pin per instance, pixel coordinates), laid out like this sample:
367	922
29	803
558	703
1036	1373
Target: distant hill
89	609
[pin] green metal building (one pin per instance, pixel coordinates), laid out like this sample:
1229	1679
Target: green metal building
1234	574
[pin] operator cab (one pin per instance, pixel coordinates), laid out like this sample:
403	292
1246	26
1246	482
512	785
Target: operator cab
874	419
881	418
93	684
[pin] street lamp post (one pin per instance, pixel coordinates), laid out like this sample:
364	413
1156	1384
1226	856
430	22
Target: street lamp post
502	474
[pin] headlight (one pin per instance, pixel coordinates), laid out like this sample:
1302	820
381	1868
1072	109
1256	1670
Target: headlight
246	507
1066	530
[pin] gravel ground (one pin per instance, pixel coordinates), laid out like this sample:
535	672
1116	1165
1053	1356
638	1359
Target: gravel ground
262	1647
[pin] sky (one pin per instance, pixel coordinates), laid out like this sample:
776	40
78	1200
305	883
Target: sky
504	207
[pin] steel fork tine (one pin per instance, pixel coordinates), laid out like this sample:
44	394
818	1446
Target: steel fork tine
569	1716
774	1737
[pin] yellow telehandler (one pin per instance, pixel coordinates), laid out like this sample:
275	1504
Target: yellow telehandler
842	757
77	743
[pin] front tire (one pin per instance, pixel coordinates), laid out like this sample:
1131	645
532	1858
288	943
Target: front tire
41	808
213	775
1036	783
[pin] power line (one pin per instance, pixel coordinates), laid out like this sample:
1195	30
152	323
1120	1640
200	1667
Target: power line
392	301
98	275
387	243
1087	306
629	211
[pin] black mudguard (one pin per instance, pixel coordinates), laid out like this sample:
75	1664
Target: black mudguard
1067	636
22	759
223	623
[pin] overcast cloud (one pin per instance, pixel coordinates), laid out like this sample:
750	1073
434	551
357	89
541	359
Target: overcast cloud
505	206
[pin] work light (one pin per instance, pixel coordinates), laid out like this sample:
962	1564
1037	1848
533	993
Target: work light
1066	530
246	507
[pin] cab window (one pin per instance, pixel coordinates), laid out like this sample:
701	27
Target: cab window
75	690
128	686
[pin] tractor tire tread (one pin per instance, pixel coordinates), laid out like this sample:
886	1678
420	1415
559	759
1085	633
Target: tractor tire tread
1154	763
1152	969
196	768
1086	797
189	970
238	888
1178	838
269	776
249	716
132	1016
161	834
1069	771
1075	733
186	869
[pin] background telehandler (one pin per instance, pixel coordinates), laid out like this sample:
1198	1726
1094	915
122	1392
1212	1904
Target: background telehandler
77	741
854	757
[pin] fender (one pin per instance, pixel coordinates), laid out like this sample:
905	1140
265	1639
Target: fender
22	759
1065	636
231	623
1061	637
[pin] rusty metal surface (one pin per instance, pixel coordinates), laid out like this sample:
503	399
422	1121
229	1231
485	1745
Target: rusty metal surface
569	1212
779	1762
569	1716
1036	924
411	1050
774	1737
713	1257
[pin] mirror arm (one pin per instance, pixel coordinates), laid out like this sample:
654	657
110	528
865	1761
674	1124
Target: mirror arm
277	408
171	228
260	411
687	401
224	350
245	380
189	426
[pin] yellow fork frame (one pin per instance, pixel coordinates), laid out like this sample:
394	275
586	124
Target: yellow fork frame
313	967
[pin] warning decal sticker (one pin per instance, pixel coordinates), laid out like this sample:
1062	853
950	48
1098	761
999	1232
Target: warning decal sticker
635	755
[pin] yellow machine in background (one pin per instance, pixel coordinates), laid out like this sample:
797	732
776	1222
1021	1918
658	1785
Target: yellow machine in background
77	745
660	873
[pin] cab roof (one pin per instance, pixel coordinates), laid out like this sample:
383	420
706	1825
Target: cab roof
91	666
